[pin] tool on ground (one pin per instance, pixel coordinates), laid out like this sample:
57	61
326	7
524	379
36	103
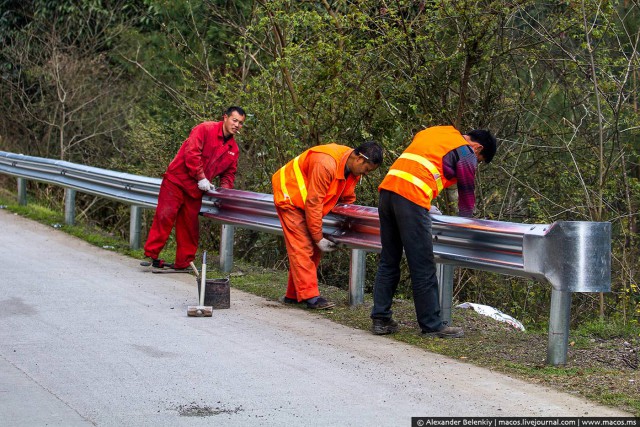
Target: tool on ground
195	269
163	267
201	310
169	271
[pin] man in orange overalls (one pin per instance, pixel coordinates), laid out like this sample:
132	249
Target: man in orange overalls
437	158
209	152
304	191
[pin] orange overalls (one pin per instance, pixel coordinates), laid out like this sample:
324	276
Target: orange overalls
304	191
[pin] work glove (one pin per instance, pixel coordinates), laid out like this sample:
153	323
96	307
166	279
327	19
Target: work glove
326	245
434	210
205	185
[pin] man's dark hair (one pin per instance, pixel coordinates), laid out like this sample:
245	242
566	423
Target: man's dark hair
488	142
238	110
371	150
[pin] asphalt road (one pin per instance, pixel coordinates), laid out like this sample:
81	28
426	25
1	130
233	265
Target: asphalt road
88	337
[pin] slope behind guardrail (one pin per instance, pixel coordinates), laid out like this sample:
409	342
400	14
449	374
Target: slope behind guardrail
571	256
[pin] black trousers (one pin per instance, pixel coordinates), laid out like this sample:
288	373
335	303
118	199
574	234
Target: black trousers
406	226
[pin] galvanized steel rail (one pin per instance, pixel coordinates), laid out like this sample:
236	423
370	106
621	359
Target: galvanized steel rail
572	256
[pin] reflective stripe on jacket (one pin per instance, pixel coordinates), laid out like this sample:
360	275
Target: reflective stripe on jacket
290	183
418	174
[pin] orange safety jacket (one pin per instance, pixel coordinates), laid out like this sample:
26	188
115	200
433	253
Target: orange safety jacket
418	174
291	181
296	186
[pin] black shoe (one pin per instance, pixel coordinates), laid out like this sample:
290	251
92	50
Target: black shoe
446	332
156	263
160	263
384	326
286	300
320	304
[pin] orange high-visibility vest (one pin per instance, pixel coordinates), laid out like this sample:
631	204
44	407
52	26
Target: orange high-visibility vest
418	174
290	182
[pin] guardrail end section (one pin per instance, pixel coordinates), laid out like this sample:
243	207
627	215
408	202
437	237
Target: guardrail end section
573	256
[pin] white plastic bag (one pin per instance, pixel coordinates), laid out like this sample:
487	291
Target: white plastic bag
494	313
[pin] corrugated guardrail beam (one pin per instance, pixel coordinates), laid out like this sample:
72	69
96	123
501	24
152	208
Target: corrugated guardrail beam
571	256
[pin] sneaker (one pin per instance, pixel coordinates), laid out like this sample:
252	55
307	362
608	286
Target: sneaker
320	304
445	332
286	300
384	326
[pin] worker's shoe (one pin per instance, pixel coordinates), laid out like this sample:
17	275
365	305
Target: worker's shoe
445	332
160	263
319	304
156	263
384	326
286	300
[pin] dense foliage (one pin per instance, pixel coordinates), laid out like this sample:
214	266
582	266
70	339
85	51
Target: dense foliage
119	84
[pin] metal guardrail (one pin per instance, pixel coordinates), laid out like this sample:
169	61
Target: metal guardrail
572	256
118	186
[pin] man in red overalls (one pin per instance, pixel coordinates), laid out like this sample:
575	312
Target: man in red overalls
210	151
304	191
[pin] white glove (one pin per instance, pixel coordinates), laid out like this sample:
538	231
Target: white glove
434	210
205	185
326	245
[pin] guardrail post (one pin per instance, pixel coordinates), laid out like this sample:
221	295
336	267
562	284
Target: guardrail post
357	276
445	282
69	206
22	191
559	327
135	221
226	248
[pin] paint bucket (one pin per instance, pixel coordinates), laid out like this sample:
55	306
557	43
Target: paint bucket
217	293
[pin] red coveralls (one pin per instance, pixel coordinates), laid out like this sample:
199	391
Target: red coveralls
205	154
304	191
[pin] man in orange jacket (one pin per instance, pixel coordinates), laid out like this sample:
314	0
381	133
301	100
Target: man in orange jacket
210	151
304	191
437	158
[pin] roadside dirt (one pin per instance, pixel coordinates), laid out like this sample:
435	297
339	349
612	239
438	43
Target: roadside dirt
605	370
